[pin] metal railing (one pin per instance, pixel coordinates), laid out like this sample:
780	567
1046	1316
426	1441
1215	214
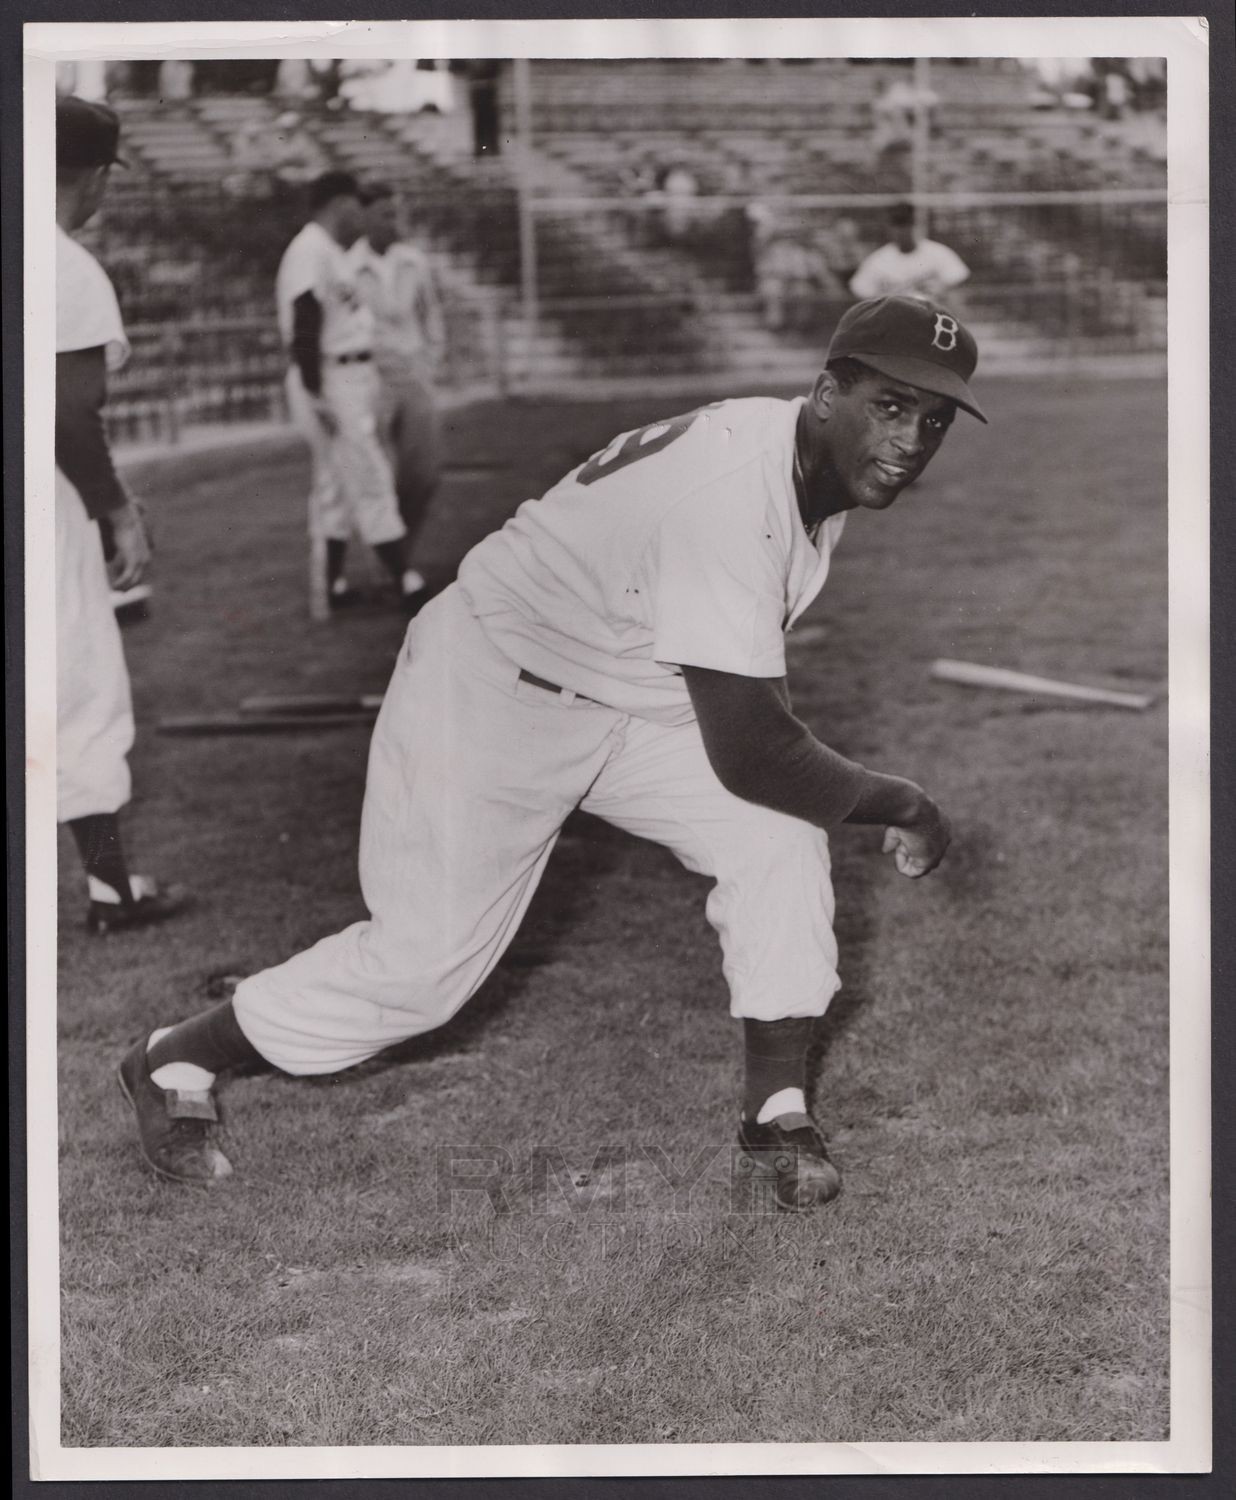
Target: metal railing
220	371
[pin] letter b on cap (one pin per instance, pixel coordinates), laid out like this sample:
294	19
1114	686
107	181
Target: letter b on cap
944	336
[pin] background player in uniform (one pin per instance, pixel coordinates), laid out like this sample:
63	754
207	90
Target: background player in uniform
618	646
910	267
396	282
333	390
101	540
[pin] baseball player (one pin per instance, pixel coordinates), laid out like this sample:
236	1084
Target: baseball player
910	267
333	391
101	541
617	646
409	337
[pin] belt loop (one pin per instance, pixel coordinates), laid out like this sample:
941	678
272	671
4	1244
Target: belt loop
569	695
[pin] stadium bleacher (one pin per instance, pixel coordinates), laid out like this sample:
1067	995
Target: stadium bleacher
193	233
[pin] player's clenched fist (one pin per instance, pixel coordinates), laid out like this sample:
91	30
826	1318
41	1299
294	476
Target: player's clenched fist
919	847
130	547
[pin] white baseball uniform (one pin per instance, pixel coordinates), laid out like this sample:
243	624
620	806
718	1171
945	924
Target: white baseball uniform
408	335
352	485
680	543
930	269
94	712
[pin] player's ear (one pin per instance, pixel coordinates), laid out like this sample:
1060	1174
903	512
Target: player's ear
823	394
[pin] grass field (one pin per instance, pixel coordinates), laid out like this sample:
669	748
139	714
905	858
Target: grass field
993	1076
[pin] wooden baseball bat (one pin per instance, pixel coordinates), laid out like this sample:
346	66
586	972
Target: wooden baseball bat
311	703
230	723
974	674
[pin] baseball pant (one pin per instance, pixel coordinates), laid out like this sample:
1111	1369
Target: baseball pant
352	487
94	712
412	433
472	772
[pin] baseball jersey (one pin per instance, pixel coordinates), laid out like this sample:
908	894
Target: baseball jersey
87	313
679	544
930	268
316	262
397	287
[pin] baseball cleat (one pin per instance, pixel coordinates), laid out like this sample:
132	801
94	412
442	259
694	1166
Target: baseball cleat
792	1149
150	903
173	1127
342	597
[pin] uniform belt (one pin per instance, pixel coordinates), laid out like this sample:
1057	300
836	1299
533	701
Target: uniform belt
363	356
550	687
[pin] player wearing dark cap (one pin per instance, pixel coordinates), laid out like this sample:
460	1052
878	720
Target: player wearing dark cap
619	645
101	541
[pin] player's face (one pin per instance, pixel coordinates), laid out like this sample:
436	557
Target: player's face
382	223
881	435
349	221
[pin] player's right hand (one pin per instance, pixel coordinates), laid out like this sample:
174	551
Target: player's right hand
130	547
918	847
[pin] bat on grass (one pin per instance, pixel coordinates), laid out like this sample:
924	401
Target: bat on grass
311	703
271	723
974	674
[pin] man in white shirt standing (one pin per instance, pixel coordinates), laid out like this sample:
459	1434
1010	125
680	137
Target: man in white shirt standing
334	393
618	646
910	267
396	283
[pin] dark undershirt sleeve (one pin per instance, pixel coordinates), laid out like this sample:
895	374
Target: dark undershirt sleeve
307	341
763	754
82	454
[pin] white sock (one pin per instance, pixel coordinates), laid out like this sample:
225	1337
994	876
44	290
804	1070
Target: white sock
783	1102
140	886
101	891
184	1077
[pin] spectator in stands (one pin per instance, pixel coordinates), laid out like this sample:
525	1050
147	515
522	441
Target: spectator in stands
791	278
908	266
326	76
85	78
175	79
1115	94
1147	78
294	158
678	188
841	247
252	160
638	177
894	113
395	279
293	79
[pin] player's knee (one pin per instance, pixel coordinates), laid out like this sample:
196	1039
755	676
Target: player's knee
765	848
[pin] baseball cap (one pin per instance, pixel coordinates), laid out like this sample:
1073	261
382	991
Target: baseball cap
914	340
87	134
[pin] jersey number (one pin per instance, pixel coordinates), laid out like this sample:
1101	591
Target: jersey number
654	438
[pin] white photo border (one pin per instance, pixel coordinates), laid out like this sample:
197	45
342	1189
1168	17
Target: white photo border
1184	43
